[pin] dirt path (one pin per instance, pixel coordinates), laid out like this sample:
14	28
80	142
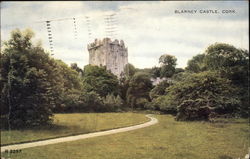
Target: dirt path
78	137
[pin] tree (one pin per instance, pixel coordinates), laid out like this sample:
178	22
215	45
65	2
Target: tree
25	89
100	80
201	94
67	89
168	63
112	103
129	70
164	104
232	63
159	89
196	64
76	68
156	72
92	102
139	87
179	70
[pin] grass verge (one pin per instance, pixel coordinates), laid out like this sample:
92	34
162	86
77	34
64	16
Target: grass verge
169	139
73	124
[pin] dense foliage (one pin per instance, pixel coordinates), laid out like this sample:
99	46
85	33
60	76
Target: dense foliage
138	90
100	80
113	103
27	81
168	63
203	94
34	85
159	89
231	63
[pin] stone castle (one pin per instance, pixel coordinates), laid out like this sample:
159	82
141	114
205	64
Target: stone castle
112	54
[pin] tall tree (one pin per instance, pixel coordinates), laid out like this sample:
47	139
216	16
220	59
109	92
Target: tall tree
68	87
168	64
25	91
129	70
139	88
196	64
232	63
100	80
155	72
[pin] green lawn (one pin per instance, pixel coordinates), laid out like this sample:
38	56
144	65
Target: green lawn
67	124
168	139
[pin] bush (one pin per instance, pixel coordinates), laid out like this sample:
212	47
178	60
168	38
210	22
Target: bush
100	80
141	103
26	85
92	102
193	110
159	89
112	103
200	94
139	87
163	104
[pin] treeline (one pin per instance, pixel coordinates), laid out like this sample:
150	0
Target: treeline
214	83
34	85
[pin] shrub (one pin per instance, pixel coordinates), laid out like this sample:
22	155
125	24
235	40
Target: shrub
163	104
112	103
201	91
141	103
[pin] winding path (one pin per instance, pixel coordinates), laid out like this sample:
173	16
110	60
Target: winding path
78	137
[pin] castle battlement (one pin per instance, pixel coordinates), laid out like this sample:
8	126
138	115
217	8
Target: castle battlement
112	54
106	41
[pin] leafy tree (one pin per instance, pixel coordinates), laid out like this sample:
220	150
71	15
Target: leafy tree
141	102
168	63
70	86
123	87
231	62
156	72
144	70
159	89
112	103
26	71
180	76
193	110
76	68
207	92
179	70
196	64
129	70
100	80
139	87
92	102
72	101
164	104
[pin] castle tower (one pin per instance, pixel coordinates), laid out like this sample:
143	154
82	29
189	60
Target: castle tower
112	54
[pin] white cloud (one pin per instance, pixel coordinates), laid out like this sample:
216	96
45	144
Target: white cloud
149	29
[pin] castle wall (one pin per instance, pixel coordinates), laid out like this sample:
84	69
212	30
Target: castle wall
111	54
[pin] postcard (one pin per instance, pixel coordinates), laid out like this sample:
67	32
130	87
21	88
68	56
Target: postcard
124	80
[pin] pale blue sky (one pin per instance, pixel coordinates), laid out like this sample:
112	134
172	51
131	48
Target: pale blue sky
149	29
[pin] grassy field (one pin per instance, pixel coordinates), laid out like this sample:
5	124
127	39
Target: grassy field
169	139
67	124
